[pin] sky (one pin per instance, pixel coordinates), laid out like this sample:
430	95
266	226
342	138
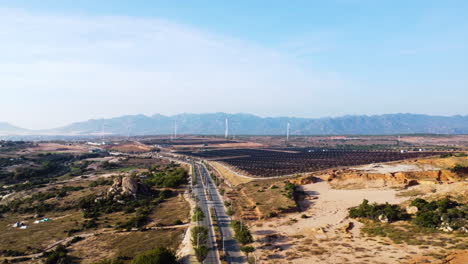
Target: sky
68	61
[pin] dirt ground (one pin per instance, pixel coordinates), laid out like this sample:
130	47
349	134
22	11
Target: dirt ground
320	237
56	147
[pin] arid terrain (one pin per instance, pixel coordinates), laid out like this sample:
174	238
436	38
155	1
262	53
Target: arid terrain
116	200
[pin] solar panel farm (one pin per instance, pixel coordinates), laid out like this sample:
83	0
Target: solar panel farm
287	161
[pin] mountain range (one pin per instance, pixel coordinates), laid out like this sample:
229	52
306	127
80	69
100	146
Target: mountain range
247	124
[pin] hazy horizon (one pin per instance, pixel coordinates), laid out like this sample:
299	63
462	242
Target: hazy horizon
71	122
63	62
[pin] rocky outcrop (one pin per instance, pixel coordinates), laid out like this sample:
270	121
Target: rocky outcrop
127	186
347	178
303	180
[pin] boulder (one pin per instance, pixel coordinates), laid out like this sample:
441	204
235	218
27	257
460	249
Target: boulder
411	209
347	227
129	186
383	218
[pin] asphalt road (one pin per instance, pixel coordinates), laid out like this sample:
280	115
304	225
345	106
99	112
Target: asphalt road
231	246
198	190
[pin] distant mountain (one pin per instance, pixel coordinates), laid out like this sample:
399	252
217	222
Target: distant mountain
246	124
9	129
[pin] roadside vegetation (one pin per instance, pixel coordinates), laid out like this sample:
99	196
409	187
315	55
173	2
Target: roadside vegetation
241	232
199	240
430	219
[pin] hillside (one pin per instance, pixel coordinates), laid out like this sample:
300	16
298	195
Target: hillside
9	129
247	124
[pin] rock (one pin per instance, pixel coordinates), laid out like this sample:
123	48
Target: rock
445	227
347	227
463	230
411	209
383	218
129	186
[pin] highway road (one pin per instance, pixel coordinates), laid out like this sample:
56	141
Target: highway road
231	247
203	203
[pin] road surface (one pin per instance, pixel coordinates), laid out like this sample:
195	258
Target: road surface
231	246
202	202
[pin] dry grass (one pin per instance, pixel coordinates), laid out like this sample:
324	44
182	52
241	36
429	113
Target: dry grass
107	246
445	163
172	209
231	177
264	198
36	236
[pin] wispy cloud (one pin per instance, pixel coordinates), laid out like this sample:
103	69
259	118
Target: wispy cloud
77	67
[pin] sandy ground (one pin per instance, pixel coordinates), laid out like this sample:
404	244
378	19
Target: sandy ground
392	168
329	207
320	237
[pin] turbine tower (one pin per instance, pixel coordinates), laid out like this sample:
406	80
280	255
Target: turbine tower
288	127
175	129
226	131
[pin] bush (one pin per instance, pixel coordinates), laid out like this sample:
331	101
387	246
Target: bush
169	178
58	256
177	222
242	233
459	169
431	214
201	252
247	249
198	215
290	189
427	219
160	255
366	210
199	235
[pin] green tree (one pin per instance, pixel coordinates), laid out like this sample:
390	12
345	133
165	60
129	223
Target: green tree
201	252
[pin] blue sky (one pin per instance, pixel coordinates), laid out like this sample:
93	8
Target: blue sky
64	61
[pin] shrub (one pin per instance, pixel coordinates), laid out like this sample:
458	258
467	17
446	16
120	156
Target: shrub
459	169
58	256
290	189
177	222
201	252
366	210
431	214
427	219
160	255
198	215
199	235
242	233
247	249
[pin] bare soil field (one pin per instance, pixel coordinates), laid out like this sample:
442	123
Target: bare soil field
58	147
324	235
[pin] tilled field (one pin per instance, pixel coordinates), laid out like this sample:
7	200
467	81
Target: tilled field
275	162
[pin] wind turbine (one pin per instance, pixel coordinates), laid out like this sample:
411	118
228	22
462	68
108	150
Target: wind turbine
226	131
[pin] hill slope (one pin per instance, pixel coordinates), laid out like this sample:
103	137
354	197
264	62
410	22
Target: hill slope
213	123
